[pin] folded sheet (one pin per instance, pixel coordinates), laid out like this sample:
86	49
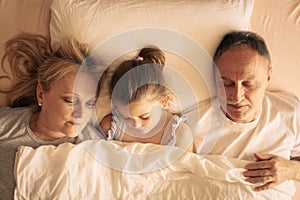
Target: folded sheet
99	169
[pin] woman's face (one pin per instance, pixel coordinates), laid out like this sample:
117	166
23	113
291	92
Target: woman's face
68	105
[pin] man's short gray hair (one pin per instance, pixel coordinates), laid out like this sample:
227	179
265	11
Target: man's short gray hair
238	38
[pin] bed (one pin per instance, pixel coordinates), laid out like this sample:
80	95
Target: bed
196	26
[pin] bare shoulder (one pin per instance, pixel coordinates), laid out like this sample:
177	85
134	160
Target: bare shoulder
184	137
105	123
183	128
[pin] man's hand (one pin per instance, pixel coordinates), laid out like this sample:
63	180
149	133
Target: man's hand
270	170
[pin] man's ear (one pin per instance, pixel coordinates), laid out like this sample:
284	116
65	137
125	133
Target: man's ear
39	93
165	101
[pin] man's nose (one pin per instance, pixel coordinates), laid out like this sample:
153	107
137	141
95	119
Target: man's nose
238	93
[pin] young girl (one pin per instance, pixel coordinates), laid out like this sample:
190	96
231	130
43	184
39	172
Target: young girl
141	104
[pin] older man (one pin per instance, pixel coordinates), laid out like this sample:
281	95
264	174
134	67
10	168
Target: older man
248	122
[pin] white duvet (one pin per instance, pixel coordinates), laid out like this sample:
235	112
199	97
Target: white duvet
99	169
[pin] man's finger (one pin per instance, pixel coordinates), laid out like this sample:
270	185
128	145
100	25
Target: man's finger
260	165
261	179
265	187
258	173
261	157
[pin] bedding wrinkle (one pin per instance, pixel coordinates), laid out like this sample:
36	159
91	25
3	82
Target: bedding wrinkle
267	25
42	18
294	11
189	177
266	21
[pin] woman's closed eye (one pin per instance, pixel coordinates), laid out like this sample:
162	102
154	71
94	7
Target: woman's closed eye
91	103
126	118
71	100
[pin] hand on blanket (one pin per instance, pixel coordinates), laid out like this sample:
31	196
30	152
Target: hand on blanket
269	171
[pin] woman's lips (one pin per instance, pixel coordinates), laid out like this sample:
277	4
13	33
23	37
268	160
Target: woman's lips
74	123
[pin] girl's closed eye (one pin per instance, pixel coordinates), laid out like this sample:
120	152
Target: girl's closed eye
145	117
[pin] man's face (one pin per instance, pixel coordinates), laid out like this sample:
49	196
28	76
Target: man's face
245	76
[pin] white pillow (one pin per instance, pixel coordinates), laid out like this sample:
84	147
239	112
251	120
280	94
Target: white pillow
187	30
93	21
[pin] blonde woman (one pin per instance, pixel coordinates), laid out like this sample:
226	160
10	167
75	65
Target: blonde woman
50	103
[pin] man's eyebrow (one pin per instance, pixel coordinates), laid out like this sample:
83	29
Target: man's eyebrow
228	79
251	78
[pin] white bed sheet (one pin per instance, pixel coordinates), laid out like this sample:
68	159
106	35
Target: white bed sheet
91	170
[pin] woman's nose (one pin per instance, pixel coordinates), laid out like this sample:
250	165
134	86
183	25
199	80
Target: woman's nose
77	111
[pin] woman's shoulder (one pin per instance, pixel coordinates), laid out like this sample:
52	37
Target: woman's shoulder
12	113
12	120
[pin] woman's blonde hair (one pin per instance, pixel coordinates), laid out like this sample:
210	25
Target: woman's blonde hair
32	61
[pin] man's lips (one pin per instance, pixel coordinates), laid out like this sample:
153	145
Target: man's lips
236	106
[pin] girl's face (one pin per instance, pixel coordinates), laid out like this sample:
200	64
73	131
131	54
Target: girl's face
68	105
141	117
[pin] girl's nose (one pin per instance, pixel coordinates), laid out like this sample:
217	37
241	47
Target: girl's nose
136	123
